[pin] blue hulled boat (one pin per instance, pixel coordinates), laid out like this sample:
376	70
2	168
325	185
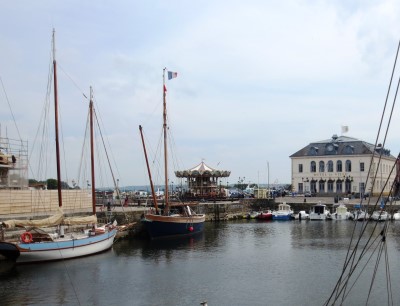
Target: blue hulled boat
284	212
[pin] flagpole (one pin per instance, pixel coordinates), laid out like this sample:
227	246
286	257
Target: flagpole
165	144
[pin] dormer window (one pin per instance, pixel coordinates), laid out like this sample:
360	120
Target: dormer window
313	151
348	149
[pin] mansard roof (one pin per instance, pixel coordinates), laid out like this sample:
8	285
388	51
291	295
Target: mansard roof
340	145
202	170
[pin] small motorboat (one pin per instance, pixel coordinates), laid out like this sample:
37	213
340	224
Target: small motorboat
252	215
284	212
264	215
319	212
302	215
359	215
380	215
340	213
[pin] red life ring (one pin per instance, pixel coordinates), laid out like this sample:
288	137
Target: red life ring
26	237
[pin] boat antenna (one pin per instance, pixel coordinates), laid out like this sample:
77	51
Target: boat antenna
56	121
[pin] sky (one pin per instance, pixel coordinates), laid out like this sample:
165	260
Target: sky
257	80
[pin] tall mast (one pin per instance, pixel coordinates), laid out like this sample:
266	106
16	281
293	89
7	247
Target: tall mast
149	172
56	122
92	151
165	143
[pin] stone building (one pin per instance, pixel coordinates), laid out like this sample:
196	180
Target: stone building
341	166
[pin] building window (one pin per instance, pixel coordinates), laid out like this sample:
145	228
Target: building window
313	186
321	186
321	166
330	186
348	166
348	186
300	187
313	151
339	186
362	166
329	165
300	168
348	150
339	166
362	188
313	167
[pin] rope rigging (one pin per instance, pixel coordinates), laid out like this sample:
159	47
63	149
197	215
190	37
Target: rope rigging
372	245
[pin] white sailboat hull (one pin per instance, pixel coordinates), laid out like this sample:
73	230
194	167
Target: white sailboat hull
59	249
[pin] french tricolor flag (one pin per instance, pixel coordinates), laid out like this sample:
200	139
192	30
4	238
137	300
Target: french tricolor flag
172	75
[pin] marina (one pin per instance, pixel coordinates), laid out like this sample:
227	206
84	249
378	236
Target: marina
198	234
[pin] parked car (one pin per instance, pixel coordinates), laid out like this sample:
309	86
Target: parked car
236	195
309	194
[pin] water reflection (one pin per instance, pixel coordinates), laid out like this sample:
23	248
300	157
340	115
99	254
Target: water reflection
231	263
157	249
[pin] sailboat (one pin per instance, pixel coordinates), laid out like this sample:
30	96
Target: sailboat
165	223
39	245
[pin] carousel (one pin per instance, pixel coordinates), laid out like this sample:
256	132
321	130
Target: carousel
203	181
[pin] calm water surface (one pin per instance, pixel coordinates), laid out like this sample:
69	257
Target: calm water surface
234	263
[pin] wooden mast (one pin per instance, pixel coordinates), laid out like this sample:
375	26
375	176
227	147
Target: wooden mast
149	172
56	123
92	151
165	144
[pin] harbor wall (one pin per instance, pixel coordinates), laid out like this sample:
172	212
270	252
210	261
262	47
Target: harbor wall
32	202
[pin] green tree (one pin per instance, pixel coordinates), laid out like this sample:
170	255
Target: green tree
52	184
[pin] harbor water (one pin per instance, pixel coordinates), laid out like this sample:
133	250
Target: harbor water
231	263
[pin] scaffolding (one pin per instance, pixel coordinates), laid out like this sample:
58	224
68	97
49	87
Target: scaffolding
13	163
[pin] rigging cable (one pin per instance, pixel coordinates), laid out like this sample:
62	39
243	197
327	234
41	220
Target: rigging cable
350	257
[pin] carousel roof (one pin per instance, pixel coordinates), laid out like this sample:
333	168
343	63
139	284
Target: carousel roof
202	170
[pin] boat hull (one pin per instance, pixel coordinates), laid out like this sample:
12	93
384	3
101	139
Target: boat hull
173	226
282	217
57	250
377	216
338	216
264	216
316	216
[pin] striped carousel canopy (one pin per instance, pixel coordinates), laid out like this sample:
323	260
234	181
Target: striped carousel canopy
202	170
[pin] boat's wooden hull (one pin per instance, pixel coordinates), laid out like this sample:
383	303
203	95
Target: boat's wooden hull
159	226
57	250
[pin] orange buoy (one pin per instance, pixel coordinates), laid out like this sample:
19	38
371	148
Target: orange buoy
26	237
